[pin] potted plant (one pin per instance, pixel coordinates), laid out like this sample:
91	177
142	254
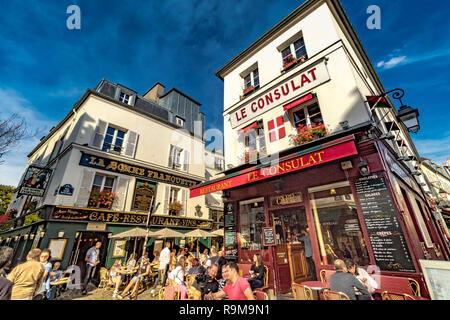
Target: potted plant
248	90
106	199
4	218
175	207
289	61
308	133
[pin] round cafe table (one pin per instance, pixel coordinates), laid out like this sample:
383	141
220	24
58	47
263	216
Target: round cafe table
316	286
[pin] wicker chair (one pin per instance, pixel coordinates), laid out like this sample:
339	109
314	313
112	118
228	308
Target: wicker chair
334	295
169	293
415	287
105	280
386	295
260	295
301	292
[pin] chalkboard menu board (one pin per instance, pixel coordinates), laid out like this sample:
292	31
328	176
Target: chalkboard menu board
143	195
269	237
385	233
230	234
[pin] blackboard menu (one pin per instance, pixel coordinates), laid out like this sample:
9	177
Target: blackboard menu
230	234
269	237
143	195
385	233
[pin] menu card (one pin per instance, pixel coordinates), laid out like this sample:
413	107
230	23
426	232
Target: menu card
230	234
385	233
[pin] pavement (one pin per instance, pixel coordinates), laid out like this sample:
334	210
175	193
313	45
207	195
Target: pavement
99	294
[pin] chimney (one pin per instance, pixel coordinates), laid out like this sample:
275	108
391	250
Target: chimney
155	92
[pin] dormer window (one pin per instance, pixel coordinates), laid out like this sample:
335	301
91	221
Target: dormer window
294	53
125	98
179	121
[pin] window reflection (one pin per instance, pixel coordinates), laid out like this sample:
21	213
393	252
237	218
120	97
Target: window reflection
252	220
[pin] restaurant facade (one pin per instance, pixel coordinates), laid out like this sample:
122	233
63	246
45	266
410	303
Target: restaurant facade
117	161
355	192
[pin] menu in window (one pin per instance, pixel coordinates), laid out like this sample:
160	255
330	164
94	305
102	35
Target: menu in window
230	234
385	233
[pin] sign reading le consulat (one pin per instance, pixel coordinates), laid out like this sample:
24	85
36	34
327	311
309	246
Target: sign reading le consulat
93	161
108	216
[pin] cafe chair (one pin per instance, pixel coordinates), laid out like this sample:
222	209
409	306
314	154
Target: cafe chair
415	287
386	295
322	275
169	292
104	278
260	295
334	295
301	292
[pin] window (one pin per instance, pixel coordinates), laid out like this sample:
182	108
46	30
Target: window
113	140
178	158
338	228
254	139
296	50
252	220
102	186
252	80
307	115
179	121
218	164
125	98
173	196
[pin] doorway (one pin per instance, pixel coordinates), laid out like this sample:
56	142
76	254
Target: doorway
85	241
291	264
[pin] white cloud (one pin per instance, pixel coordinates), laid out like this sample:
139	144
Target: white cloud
393	62
400	60
437	150
14	162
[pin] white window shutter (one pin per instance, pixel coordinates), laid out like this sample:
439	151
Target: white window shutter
120	189
171	156
85	188
184	203
186	161
130	147
99	134
166	200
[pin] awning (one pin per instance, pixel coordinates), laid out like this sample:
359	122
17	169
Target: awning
253	125
298	101
377	102
327	152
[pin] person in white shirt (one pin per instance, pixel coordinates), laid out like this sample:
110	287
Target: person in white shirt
177	277
164	260
362	276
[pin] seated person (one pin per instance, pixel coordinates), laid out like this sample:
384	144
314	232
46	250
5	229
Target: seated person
177	275
131	263
211	285
362	275
257	271
116	276
54	276
221	261
195	267
345	282
237	288
143	271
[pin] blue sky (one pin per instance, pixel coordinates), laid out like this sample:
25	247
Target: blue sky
45	68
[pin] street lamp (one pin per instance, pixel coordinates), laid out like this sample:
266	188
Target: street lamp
363	168
410	118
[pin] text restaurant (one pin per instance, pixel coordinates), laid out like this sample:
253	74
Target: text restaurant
351	200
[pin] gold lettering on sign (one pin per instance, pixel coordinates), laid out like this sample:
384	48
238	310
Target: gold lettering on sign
286	199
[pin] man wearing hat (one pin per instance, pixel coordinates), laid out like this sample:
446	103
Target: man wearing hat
6	254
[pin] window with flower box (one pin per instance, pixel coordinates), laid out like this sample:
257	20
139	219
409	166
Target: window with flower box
101	195
294	53
251	82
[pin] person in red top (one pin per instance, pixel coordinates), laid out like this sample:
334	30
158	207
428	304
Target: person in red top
237	288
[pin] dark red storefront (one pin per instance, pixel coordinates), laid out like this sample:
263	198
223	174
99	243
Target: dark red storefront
378	219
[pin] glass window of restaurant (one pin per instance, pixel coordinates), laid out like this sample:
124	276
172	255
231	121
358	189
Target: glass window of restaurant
336	219
252	220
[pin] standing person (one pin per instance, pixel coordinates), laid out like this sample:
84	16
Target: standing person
237	288
6	254
27	277
44	258
164	260
257	271
345	282
177	276
92	260
305	238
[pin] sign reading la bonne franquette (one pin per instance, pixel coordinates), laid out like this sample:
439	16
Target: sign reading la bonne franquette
295	86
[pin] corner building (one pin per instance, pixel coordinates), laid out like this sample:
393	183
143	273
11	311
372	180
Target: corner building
347	186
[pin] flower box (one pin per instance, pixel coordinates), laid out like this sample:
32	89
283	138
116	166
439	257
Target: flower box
289	62
309	133
248	90
101	199
175	207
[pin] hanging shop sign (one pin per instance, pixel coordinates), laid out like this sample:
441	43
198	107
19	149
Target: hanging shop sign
93	161
35	181
286	199
342	150
66	190
297	85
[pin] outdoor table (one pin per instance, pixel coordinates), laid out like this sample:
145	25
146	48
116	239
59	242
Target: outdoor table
316	286
59	283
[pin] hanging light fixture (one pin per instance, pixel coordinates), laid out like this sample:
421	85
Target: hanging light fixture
410	118
363	168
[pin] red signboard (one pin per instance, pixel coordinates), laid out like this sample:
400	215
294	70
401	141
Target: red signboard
325	155
299	101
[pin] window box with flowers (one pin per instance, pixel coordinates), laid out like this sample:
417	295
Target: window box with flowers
101	199
308	133
8	215
289	61
175	207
